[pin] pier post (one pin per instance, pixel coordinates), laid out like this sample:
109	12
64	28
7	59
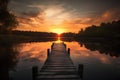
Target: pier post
48	52
52	46
64	45
34	72
80	70
69	51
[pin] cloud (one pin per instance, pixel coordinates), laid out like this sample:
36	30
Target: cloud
106	16
49	17
76	24
31	22
30	14
69	24
22	6
72	15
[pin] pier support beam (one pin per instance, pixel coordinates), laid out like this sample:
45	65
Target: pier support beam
34	72
48	52
69	51
80	70
52	46
64	44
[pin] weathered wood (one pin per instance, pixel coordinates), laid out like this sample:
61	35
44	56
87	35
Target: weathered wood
52	45
59	76
64	45
80	70
69	51
34	72
58	65
48	52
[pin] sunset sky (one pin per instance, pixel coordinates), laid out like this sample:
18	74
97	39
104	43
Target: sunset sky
63	15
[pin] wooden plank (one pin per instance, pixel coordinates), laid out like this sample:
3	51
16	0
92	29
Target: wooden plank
58	73
55	79
58	65
59	76
58	68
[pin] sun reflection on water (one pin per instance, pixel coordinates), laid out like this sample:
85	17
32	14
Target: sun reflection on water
59	40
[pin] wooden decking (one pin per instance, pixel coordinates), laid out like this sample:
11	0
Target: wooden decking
58	65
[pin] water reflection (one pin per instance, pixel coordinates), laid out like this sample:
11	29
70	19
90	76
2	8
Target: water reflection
101	60
8	60
31	51
58	40
30	54
97	66
107	47
84	53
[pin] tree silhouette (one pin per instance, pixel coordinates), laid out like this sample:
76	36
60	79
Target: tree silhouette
7	20
105	30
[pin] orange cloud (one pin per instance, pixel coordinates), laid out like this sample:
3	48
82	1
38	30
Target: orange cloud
28	51
107	16
57	17
76	24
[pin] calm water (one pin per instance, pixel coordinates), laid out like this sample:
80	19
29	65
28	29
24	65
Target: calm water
100	62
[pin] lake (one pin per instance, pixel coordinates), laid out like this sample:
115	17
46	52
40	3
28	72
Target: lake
101	60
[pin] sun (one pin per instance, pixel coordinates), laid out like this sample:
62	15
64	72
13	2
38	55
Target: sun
58	31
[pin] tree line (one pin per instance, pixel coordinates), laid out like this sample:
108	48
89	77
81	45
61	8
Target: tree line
104	30
34	34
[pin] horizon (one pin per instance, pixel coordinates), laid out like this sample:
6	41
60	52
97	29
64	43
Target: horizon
60	31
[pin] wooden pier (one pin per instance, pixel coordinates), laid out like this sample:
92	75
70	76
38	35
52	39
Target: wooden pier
58	65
